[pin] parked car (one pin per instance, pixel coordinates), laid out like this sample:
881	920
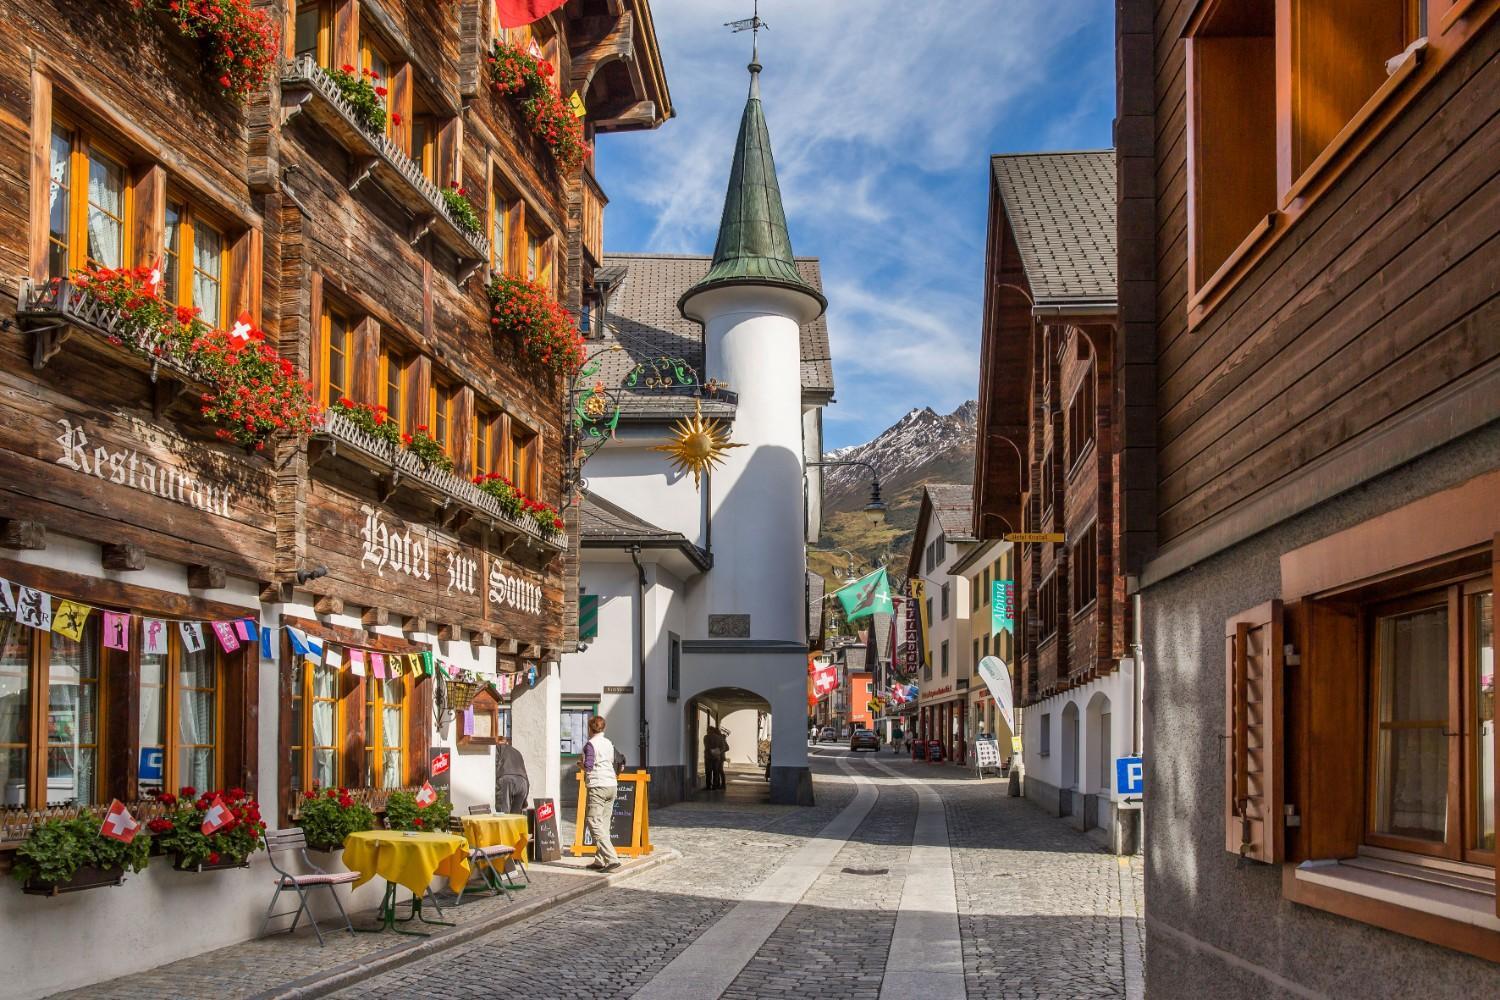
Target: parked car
864	739
828	735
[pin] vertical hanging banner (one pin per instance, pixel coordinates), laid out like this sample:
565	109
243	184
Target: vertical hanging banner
1003	606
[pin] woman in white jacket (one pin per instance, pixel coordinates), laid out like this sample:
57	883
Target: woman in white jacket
599	779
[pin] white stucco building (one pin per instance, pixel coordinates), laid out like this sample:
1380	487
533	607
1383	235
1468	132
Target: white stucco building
700	589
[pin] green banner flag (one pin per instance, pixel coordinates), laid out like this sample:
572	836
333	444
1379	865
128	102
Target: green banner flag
866	596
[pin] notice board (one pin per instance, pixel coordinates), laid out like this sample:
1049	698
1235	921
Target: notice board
546	843
629	827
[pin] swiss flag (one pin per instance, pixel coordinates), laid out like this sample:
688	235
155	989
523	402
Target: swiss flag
119	824
244	331
425	795
515	13
825	681
217	817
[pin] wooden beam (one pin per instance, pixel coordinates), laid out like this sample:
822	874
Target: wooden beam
207	577
638	115
374	617
329	605
15	534
123	556
414	623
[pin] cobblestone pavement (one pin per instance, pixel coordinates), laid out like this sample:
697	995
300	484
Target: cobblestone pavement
1043	912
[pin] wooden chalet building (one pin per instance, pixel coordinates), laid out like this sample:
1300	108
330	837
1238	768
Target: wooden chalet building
1046	462
1310	488
167	516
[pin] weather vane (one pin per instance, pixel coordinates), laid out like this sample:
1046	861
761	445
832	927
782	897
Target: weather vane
753	25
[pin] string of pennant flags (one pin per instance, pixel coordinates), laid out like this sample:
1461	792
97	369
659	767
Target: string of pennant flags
40	610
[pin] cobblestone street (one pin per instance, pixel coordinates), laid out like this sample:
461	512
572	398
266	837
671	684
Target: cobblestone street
1042	911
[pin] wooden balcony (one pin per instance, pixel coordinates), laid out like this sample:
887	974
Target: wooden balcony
594	201
306	88
54	312
456	500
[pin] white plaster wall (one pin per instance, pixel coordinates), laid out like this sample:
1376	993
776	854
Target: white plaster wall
780	678
955	629
812	451
1117	688
628	473
743	741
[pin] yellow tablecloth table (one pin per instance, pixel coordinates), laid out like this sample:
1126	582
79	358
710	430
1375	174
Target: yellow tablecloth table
407	859
498	830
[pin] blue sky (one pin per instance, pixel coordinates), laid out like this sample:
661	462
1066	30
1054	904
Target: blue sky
882	116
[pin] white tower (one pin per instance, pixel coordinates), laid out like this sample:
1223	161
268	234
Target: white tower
753	304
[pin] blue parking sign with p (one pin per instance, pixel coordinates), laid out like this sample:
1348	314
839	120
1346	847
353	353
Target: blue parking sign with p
1130	776
151	763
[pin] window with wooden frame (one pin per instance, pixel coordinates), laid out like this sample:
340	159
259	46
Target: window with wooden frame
441	402
424	132
394	381
539	269
1430	786
385	732
312	31
336	356
318	727
49	746
373	57
486	440
505	214
523	448
89	203
944	658
1231	131
181	711
947	593
195	262
1081	417
1083	569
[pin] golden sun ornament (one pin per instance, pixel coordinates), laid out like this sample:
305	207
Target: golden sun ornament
697	445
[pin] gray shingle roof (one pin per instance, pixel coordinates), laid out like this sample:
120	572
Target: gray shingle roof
643	319
953	504
1061	208
815	591
602	524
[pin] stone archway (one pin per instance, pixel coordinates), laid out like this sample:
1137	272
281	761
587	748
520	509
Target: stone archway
747	718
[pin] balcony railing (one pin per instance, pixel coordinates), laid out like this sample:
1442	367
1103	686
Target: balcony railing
306	87
55	310
339	436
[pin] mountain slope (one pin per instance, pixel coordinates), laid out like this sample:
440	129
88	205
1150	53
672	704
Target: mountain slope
922	447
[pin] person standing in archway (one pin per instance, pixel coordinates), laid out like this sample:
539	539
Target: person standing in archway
715	747
512	786
599	778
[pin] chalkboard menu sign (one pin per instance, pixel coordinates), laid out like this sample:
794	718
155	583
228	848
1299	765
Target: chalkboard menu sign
546	842
629	827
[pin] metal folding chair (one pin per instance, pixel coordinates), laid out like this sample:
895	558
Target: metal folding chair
519	860
279	844
482	861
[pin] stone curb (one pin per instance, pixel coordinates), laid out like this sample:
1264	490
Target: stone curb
347	974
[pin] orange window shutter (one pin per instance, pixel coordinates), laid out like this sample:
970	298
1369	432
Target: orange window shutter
1253	780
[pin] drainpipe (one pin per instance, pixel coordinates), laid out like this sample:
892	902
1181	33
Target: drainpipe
1138	678
640	619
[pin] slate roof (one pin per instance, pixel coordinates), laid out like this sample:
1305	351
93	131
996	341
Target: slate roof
953	504
815	591
1061	208
642	318
603	524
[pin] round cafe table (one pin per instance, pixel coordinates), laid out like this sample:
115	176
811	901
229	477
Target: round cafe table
407	859
499	830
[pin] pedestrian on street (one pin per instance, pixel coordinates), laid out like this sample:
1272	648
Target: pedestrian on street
715	747
908	744
512	786
599	778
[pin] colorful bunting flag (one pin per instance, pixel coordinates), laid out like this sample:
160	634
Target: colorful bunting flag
357	662
377	665
265	644
226	635
116	630
192	636
427	663
34	608
332	657
153	637
7	602
70	618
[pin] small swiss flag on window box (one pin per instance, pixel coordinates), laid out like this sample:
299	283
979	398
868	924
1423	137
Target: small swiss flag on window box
216	818
425	795
119	824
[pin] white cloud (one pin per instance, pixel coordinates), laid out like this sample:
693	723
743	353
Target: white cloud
882	114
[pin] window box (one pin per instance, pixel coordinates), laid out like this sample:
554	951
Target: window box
87	877
340	437
207	866
54	311
306	87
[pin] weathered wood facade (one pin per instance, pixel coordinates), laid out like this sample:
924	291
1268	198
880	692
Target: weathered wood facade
118	149
1309	366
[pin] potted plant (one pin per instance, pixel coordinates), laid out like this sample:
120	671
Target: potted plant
205	842
403	813
67	855
327	819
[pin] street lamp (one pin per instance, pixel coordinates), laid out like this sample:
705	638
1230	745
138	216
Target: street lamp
874	510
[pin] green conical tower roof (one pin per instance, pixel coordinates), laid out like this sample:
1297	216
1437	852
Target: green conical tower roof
754	247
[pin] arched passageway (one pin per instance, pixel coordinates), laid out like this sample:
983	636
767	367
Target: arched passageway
745	719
